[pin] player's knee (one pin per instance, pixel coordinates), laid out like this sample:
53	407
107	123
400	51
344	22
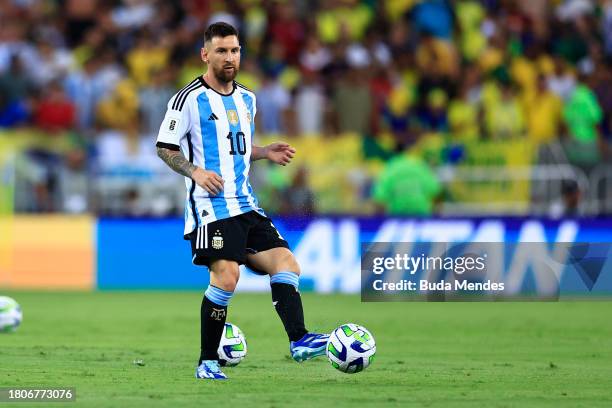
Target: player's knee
225	275
230	284
288	263
230	278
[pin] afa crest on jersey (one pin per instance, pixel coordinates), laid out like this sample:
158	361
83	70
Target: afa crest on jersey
232	116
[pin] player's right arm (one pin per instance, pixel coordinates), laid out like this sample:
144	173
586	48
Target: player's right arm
208	180
174	127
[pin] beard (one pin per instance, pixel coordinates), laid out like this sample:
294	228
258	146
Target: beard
224	76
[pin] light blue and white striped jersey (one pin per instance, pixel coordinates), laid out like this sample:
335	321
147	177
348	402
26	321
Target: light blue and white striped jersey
214	131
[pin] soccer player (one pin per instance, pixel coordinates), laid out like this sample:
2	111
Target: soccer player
206	136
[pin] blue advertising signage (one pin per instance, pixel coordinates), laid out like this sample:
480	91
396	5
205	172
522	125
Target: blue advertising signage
151	254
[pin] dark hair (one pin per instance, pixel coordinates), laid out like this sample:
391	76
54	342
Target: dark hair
219	29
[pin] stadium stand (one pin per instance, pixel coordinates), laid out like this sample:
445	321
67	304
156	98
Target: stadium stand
508	101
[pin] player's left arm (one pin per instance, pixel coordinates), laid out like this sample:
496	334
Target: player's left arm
278	152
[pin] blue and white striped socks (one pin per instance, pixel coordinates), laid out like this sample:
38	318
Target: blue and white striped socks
218	296
288	303
212	320
290	278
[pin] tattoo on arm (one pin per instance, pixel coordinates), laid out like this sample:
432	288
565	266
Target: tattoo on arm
176	161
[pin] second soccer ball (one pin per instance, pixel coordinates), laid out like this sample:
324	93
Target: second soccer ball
351	348
10	315
233	346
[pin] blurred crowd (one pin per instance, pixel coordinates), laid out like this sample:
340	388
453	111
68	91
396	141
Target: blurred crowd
98	74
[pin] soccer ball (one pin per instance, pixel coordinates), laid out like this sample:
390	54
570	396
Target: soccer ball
10	315
233	346
351	348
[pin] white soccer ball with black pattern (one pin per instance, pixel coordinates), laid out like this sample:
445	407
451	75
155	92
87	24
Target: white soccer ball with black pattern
351	348
233	346
10	314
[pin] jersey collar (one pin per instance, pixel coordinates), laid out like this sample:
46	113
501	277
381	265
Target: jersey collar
203	82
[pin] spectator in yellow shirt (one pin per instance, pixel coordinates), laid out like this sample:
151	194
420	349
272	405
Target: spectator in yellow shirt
463	116
504	118
120	110
145	59
543	113
437	57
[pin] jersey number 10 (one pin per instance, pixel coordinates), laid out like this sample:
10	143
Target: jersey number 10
237	143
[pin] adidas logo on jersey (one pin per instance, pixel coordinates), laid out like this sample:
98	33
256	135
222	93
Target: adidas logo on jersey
213	117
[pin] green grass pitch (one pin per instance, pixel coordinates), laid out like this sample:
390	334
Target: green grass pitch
428	354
